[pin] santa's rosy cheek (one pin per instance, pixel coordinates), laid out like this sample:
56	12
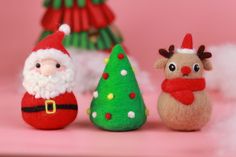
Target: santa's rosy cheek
62	68
35	69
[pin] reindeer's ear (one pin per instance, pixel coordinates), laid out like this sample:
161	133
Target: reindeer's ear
207	64
161	63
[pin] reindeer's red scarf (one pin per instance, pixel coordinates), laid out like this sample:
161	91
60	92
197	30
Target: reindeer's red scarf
182	89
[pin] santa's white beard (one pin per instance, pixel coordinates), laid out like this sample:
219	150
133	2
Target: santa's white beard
48	87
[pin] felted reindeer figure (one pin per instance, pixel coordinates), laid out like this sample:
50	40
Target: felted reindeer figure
183	103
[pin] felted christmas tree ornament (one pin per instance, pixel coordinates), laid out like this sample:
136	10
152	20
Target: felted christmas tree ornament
93	35
49	102
183	103
117	103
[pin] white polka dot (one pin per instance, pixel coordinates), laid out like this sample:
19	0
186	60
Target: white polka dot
94	114
123	72
95	94
131	114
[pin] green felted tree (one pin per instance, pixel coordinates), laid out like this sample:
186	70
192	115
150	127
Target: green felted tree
117	104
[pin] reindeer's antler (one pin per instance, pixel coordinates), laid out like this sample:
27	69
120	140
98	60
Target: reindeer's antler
167	54
203	55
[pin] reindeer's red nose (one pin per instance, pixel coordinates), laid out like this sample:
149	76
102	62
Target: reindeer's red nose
185	70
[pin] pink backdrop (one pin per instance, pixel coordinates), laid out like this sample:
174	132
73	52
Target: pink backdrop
147	25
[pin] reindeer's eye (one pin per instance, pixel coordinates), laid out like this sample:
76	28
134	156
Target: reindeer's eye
172	66
58	65
37	65
196	67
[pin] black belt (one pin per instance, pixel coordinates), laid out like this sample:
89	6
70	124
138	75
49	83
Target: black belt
50	107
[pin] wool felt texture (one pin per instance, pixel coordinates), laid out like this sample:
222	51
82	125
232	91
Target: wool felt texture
182	89
47	53
90	21
178	116
183	103
65	113
49	48
117	104
187	45
89	66
54	40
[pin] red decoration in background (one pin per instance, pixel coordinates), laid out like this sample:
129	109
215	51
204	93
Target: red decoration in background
84	19
132	95
109	15
105	76
108	116
121	56
68	16
79	18
52	19
76	27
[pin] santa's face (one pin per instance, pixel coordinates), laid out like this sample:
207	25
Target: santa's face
48	78
48	67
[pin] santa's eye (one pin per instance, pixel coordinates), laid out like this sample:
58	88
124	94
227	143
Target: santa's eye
58	65
37	65
172	66
196	67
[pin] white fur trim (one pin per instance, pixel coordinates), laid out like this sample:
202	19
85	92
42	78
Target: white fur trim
186	51
47	53
65	28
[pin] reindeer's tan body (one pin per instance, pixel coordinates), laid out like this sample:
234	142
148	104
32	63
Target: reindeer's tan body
178	116
186	65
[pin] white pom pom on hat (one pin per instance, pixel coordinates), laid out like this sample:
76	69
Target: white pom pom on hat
65	28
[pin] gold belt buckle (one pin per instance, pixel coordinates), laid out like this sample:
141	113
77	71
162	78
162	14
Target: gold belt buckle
48	102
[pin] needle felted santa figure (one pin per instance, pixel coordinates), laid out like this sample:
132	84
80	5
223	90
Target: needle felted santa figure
49	102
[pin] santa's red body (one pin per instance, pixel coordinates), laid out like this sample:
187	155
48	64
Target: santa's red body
55	113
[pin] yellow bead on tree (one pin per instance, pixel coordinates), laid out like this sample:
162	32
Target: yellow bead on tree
106	60
134	70
88	111
147	112
110	96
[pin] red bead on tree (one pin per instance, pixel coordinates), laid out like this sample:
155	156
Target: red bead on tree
132	95
108	116
121	56
105	76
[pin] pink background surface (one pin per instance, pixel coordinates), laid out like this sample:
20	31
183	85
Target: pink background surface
147	26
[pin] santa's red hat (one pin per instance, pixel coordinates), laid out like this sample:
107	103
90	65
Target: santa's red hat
187	45
51	47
